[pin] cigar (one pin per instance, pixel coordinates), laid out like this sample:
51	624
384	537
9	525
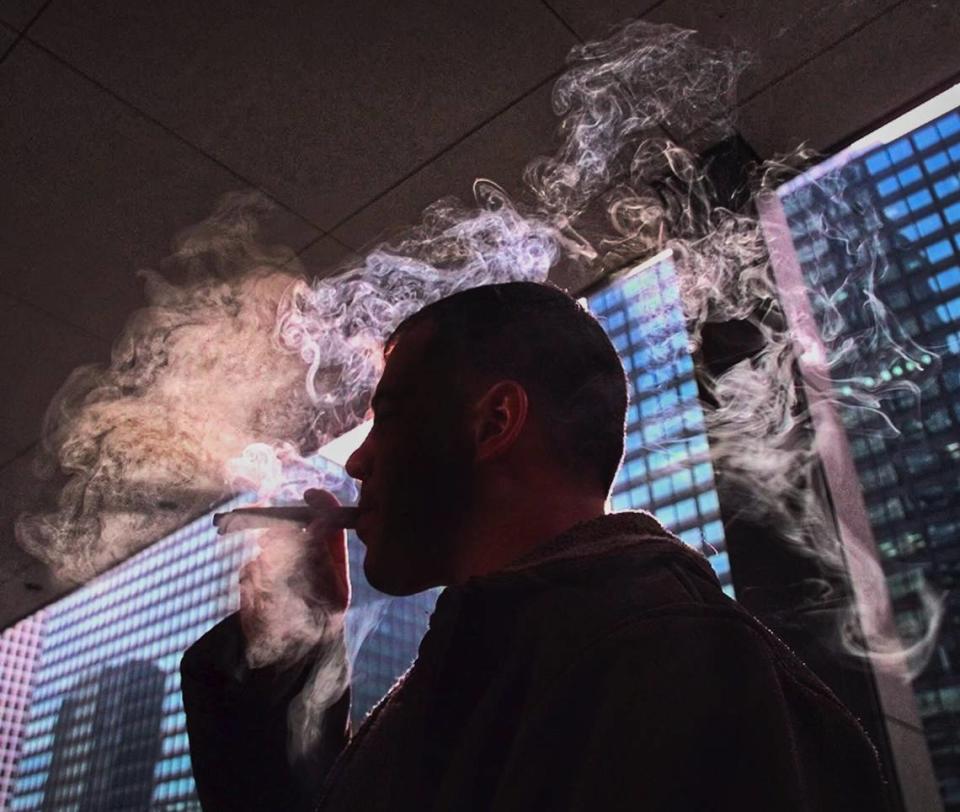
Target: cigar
256	518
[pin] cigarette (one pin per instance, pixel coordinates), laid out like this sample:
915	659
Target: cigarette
257	518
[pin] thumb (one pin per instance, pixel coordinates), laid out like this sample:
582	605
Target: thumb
317	498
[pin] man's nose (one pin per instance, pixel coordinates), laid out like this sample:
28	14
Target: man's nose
358	464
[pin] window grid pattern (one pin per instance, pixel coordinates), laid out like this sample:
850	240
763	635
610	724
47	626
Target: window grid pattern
666	468
106	726
911	485
19	654
102	724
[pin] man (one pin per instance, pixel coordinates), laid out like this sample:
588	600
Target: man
576	660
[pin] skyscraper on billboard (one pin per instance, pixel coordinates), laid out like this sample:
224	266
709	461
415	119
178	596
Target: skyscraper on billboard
666	468
106	727
19	655
886	213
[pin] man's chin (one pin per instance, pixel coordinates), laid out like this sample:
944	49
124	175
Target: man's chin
390	580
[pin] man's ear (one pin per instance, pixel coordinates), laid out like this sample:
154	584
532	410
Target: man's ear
499	417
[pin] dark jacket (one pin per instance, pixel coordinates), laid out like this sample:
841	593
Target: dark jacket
605	671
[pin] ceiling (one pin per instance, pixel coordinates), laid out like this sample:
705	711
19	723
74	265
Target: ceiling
124	121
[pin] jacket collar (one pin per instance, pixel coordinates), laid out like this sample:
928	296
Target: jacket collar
635	532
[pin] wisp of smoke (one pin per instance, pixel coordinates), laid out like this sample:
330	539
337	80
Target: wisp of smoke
250	353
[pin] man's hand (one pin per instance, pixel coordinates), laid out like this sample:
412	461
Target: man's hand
329	546
296	592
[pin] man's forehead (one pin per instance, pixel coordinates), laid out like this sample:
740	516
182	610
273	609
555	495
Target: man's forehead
404	360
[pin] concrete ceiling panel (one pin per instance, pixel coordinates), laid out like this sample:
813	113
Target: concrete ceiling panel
592	19
92	193
779	36
322	104
7	38
26	584
37	353
862	81
498	151
19	13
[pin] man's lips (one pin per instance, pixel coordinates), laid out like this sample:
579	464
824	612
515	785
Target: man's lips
365	510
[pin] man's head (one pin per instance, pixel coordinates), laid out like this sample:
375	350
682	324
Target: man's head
494	401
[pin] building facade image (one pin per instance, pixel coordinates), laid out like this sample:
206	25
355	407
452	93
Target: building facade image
105	726
19	651
891	206
666	468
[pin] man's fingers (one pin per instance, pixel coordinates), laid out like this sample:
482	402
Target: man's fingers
332	563
332	544
317	498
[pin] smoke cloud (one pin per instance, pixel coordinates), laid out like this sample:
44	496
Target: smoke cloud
251	358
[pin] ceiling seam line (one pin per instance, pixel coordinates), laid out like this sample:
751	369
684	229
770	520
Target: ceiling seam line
452	145
22	33
49	314
813	57
174	134
741	103
19	454
562	21
654	7
914	101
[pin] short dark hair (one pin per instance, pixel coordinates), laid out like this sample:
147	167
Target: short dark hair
548	342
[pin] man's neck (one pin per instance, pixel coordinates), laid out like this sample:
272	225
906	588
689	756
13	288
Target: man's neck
501	537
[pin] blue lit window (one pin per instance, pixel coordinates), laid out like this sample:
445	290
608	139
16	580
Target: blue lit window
947	186
616	320
639	496
888	186
653	432
703	473
952	213
929	225
661	489
713	532
936	162
939	250
948	125
946	279
954	152
911	232
949	311
668	515
693	418
721	563
918	200
686	510
909	175
896	210
669	399
708	502
900	150
656	460
926	137
682	480
877	162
